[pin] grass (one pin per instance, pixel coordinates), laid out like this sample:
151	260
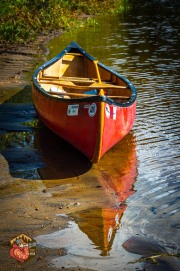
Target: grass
22	20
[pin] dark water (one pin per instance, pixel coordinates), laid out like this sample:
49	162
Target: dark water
144	46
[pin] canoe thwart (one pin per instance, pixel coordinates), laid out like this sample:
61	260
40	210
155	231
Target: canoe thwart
68	78
70	84
59	93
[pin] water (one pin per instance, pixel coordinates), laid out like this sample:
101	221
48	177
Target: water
135	212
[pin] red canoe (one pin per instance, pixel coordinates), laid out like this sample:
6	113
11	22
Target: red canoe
83	101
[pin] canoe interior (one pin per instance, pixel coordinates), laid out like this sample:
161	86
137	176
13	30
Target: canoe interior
76	74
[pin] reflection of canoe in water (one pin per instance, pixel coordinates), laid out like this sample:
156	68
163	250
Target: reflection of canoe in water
115	174
62	160
101	224
83	101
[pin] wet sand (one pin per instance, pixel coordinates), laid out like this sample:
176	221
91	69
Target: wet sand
27	206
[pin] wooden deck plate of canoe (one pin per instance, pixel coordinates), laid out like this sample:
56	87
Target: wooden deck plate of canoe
83	101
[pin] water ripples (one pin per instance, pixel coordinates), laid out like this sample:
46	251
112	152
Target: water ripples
145	49
154	209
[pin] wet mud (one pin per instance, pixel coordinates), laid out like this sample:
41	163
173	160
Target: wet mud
17	63
34	207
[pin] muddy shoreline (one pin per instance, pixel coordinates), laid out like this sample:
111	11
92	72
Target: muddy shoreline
19	60
27	206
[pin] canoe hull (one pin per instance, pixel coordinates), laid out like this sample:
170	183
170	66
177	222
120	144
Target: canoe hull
83	101
92	127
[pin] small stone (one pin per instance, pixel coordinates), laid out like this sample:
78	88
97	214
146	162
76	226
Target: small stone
77	203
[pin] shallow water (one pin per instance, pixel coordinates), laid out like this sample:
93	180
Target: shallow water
144	46
138	180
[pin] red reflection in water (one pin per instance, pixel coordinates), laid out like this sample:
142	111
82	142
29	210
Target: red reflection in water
118	173
115	174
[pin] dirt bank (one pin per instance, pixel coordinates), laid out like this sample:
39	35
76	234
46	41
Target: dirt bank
17	62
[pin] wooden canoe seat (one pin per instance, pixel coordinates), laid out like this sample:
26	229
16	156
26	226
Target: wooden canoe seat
68	79
72	82
78	79
64	94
